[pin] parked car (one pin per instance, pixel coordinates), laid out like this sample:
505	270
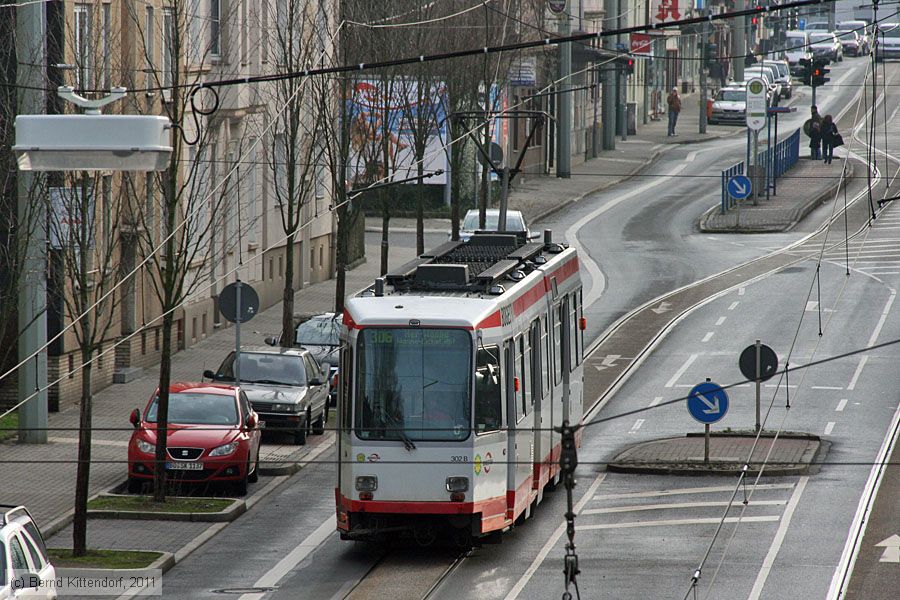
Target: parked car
515	222
729	106
286	386
213	437
767	76
321	335
783	76
850	42
796	49
818	26
862	29
889	44
824	44
23	556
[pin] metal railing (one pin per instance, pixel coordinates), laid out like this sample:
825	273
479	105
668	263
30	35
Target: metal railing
776	161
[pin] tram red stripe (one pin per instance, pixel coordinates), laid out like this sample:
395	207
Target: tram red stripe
491	321
490	507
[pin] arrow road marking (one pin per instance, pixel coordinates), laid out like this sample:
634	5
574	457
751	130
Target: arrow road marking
663	307
891	549
687	365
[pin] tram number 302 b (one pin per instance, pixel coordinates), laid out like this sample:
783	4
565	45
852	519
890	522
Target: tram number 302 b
459	459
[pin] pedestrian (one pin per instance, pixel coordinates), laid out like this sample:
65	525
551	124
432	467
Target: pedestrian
829	135
815	133
674	103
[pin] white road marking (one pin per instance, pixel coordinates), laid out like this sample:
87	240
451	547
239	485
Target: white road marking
720	320
708	336
812	305
862	363
551	543
829	427
825	387
695	490
778	540
598	282
636	426
884	315
841	405
779	385
740	291
733	305
670	522
673	505
691	156
687	365
656	401
293	558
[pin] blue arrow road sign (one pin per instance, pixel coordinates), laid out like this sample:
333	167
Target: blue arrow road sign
707	402
739	187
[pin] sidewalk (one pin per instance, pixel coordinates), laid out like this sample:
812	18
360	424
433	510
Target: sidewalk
540	196
800	191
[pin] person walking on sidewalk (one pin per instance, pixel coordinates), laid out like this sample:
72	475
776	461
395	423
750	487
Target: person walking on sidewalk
829	134
674	103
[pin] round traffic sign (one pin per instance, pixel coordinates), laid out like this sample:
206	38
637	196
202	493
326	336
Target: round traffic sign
768	362
739	187
228	302
707	402
495	151
556	6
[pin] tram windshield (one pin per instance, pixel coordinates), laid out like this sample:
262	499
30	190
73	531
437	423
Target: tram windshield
413	385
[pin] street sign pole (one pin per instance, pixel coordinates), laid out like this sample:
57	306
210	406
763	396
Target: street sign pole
755	167
758	383
237	334
706	443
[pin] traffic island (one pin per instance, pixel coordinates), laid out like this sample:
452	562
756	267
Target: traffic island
109	572
175	508
792	453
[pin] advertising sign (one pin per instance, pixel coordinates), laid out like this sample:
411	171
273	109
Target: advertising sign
385	119
665	11
640	43
523	72
756	104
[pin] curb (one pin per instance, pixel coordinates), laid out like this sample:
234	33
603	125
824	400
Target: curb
405	230
809	465
282	469
163	563
237	508
802	211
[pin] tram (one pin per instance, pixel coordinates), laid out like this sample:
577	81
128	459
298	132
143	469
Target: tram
454	369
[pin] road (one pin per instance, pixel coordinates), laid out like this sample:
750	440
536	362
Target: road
644	536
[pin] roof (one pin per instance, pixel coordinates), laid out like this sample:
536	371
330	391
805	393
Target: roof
295	351
399	310
8	513
206	388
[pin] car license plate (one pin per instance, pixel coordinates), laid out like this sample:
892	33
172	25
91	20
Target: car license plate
184	466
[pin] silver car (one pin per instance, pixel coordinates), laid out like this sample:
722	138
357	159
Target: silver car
24	563
286	386
515	223
824	45
889	46
729	106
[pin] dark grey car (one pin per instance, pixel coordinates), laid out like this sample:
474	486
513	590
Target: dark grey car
287	387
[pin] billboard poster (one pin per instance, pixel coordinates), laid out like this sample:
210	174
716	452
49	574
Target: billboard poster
385	117
666	11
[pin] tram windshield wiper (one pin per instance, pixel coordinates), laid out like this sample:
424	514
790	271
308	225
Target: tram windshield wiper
407	442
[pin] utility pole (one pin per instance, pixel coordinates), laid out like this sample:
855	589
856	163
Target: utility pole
608	114
564	103
704	60
31	54
621	78
739	42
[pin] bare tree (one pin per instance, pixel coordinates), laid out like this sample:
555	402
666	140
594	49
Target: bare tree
300	40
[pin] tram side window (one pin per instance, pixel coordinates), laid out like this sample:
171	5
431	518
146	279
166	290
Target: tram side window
488	400
579	332
557	346
346	378
535	341
515	392
545	356
525	361
574	310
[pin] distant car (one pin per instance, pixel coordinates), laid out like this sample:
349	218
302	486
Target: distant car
213	437
321	335
729	106
818	26
824	45
774	89
515	223
850	42
783	76
286	386
889	45
862	29
23	556
796	49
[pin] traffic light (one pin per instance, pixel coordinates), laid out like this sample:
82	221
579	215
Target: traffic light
711	53
819	71
626	63
806	71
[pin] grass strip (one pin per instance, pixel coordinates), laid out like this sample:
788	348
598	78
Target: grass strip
9	426
103	559
146	504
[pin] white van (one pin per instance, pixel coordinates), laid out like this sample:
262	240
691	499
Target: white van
796	47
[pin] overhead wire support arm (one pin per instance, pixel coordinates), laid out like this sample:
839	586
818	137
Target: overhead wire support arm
568	462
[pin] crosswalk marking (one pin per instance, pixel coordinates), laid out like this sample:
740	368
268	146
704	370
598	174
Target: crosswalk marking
670	522
674	505
694	490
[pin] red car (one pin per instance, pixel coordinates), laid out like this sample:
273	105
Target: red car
213	437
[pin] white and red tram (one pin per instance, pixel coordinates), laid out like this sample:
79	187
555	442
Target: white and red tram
454	369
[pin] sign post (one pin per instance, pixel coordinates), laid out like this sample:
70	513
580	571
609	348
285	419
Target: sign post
238	302
707	402
756	119
760	363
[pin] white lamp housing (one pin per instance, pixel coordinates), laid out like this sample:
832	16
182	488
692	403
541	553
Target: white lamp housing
91	142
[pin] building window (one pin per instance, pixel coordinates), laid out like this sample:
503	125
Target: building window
149	36
281	266
156	339
203	324
321	255
83	35
105	27
71	366
100	357
168	39
143	343
215	20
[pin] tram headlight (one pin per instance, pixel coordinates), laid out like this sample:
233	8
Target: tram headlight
457	484
366	483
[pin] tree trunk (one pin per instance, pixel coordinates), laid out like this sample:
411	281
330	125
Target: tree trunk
162	409
420	207
340	259
485	180
287	308
385	222
83	471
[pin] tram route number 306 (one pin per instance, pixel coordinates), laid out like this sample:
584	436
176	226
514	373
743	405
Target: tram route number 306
459	459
